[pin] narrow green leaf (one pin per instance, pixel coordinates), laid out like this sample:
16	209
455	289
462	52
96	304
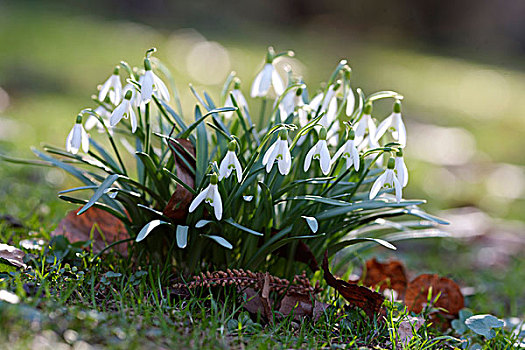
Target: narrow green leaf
242	228
384	94
99	192
201	147
202	223
222	241
150	226
338	246
365	205
79	174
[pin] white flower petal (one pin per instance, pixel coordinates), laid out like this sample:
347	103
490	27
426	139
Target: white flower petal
262	81
238	168
285	163
162	88
68	141
383	127
223	168
355	156
217	202
277	82
104	90
339	152
268	153
324	157
378	184
401	131
198	200
118	113
398	188
146	87
350	102
85	139
309	156
133	119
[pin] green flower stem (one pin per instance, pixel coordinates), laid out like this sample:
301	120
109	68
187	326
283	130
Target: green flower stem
263	111
147	128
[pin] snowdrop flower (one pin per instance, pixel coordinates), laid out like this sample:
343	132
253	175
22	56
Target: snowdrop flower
387	180
394	122
211	196
328	106
239	98
267	77
150	83
401	169
229	163
93	121
349	96
279	150
349	152
319	151
135	100
300	107
366	126
112	88
77	138
125	109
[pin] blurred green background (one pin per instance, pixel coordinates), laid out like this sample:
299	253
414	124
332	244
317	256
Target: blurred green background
460	66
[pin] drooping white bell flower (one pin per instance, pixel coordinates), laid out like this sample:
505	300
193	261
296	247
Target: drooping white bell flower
112	88
400	168
93	121
125	109
319	151
266	78
279	151
77	138
387	180
152	83
239	98
135	98
366	127
211	196
349	152
229	163
328	106
394	122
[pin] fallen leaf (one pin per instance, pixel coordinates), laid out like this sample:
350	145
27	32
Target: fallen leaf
12	255
389	275
484	324
179	203
361	297
450	297
298	304
78	228
408	327
265	298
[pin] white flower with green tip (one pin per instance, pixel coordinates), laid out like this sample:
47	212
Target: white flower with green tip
349	152
388	180
112	88
366	127
152	83
400	168
229	163
211	196
77	138
124	110
394	123
319	151
279	151
266	78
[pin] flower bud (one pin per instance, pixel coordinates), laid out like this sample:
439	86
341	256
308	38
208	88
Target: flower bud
128	95
270	55
299	92
283	134
116	70
397	106
79	118
399	153
236	84
337	85
232	145
214	179
391	163
368	108
351	134
322	134
147	64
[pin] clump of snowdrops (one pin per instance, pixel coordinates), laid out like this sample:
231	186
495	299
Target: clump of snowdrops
316	171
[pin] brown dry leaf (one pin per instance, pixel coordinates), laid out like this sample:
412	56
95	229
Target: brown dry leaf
361	297
12	255
299	304
389	275
450	298
253	302
177	208
78	228
265	298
